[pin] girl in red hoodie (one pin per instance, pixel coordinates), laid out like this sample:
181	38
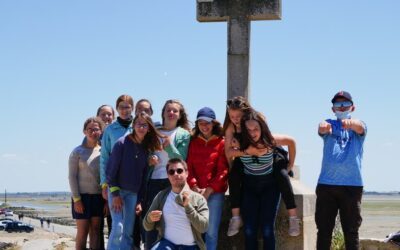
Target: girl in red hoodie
208	168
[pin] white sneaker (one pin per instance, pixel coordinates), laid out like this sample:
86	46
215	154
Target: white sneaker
294	226
234	225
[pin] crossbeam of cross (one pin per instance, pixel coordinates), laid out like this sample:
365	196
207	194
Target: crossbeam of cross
238	14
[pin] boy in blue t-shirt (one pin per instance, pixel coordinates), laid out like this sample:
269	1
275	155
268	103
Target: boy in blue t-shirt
340	183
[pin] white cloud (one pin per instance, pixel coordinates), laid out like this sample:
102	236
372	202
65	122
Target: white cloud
9	156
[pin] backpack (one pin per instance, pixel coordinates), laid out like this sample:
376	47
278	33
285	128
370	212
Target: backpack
281	154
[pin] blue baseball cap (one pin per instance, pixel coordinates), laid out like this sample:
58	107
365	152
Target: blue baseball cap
206	114
342	94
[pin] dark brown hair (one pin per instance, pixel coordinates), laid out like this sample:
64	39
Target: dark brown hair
94	120
175	161
216	129
144	100
236	103
266	138
151	140
125	98
183	121
103	106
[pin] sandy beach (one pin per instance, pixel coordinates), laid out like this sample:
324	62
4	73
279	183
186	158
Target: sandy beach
54	236
381	216
43	239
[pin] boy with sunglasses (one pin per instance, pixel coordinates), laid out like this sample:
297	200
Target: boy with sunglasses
340	184
179	214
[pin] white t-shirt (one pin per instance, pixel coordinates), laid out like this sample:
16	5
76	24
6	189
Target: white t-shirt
160	171
177	225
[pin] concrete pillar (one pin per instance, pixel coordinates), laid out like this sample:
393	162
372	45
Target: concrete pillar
238	57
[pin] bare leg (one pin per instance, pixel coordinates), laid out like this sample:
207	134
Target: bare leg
81	233
94	233
292	212
235	212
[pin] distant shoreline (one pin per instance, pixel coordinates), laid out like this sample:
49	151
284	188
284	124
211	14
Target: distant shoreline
68	194
381	193
380	210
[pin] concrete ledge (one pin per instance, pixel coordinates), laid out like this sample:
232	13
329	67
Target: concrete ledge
305	201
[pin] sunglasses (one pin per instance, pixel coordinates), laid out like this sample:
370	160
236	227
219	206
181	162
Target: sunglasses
234	103
178	171
142	125
344	104
91	130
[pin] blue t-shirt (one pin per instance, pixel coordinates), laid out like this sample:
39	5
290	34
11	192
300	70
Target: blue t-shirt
343	151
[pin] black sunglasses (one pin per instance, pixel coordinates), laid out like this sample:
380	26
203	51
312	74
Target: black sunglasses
178	171
234	102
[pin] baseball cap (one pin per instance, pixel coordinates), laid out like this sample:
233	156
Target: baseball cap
343	94
206	114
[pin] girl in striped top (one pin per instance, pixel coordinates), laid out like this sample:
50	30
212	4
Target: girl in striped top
260	192
262	181
238	107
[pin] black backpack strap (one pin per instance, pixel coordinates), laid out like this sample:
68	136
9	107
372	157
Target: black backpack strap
280	154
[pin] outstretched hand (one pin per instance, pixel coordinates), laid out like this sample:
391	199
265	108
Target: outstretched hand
325	128
347	123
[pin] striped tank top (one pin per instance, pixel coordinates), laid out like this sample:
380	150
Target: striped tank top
254	165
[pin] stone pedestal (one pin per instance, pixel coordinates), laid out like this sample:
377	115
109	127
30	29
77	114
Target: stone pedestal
305	200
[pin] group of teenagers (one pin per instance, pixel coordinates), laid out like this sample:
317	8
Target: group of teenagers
163	183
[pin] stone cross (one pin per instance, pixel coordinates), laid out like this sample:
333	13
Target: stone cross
238	14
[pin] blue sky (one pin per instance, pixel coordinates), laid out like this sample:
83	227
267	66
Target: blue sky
60	60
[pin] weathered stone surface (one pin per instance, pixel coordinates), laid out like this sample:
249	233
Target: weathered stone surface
305	201
238	14
222	10
238	57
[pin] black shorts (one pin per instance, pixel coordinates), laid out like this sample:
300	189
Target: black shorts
93	205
